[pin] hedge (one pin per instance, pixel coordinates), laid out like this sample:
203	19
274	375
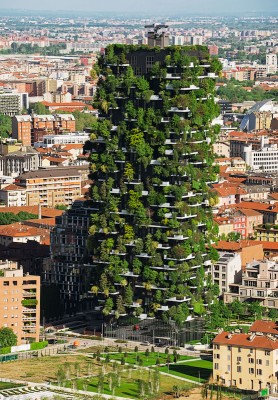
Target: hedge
5	350
38	345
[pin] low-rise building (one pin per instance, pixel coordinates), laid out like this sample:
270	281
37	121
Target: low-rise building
267	233
246	361
70	138
13	195
18	232
228	193
248	249
19	302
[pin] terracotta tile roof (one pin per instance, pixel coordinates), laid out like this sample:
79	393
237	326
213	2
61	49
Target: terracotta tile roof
45	211
228	189
273	196
243	340
255	205
237	246
40	222
223	220
248	212
12	188
18	229
72	146
265	327
55	159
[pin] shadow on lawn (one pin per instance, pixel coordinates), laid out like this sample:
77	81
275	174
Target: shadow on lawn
196	372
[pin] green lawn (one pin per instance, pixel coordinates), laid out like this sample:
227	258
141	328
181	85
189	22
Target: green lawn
194	370
9	385
131	358
128	385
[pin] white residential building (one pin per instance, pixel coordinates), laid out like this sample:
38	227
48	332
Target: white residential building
265	159
227	270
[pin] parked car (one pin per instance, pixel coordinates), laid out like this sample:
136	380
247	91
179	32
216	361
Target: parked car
145	343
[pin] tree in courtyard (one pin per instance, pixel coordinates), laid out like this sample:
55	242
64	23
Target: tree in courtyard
7	337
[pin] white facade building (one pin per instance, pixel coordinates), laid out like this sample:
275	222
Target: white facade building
70	138
226	271
265	159
271	63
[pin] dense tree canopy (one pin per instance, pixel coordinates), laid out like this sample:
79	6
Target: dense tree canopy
5	126
236	93
7	218
7	337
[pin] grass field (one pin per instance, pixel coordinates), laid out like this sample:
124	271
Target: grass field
44	368
9	385
146	361
129	386
198	371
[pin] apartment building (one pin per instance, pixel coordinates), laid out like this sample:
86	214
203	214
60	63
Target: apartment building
21	129
12	103
259	282
19	302
70	267
31	128
264	159
265	233
246	361
13	195
226	270
51	186
15	163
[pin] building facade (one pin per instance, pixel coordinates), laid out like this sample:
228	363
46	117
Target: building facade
226	270
246	361
19	302
52	186
259	282
148	232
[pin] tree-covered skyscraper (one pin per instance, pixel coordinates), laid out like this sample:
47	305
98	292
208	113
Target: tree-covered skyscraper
151	164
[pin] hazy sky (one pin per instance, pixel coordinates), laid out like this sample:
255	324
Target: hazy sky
181	7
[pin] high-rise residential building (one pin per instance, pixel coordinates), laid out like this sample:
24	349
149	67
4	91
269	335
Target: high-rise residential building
70	270
151	162
20	302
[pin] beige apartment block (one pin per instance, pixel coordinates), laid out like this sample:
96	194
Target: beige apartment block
52	186
246	361
259	282
19	302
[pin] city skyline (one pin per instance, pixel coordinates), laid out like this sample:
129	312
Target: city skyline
163	6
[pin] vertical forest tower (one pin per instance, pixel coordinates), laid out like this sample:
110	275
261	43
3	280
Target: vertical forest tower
151	225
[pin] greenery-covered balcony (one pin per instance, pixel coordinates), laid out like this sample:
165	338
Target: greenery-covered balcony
178	299
179	237
188	89
186	216
173	75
